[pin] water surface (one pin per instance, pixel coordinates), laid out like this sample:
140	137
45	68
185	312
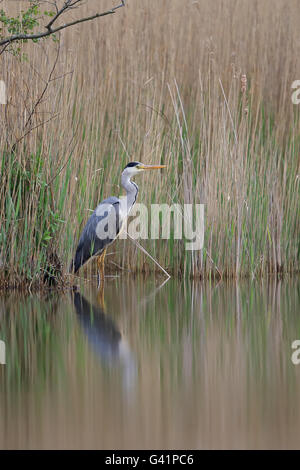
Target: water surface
182	365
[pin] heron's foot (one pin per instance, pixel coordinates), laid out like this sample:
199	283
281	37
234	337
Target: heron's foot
100	280
100	265
100	296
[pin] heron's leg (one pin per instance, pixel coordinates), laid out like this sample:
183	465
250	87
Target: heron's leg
100	265
100	295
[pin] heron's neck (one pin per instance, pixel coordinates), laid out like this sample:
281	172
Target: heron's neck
131	190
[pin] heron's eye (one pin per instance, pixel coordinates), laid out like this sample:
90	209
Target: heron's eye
132	164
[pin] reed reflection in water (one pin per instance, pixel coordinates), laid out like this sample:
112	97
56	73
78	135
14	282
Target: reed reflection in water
187	365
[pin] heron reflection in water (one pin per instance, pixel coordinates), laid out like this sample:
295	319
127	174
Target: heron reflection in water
105	338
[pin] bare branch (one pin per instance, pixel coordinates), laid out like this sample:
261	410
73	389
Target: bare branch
44	90
67	6
59	12
13	148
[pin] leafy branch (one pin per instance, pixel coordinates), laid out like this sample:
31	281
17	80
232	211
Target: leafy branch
20	28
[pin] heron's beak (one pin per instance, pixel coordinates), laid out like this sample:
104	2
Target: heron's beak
151	167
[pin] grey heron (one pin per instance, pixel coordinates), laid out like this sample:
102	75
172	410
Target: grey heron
105	223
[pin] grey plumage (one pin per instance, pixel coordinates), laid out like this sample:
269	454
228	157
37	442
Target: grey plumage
105	223
90	244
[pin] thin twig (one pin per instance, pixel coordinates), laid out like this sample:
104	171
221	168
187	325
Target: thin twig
44	90
148	254
40	35
212	261
32	129
228	109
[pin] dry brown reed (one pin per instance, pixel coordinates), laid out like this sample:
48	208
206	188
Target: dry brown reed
204	87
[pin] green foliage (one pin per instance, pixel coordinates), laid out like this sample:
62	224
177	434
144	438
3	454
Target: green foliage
24	23
32	220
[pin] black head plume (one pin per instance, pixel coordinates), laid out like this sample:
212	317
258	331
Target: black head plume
131	164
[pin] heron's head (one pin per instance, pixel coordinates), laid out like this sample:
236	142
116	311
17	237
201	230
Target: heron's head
134	168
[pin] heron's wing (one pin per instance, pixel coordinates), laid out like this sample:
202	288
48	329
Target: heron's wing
100	230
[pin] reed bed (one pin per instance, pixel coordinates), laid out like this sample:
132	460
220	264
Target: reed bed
203	87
